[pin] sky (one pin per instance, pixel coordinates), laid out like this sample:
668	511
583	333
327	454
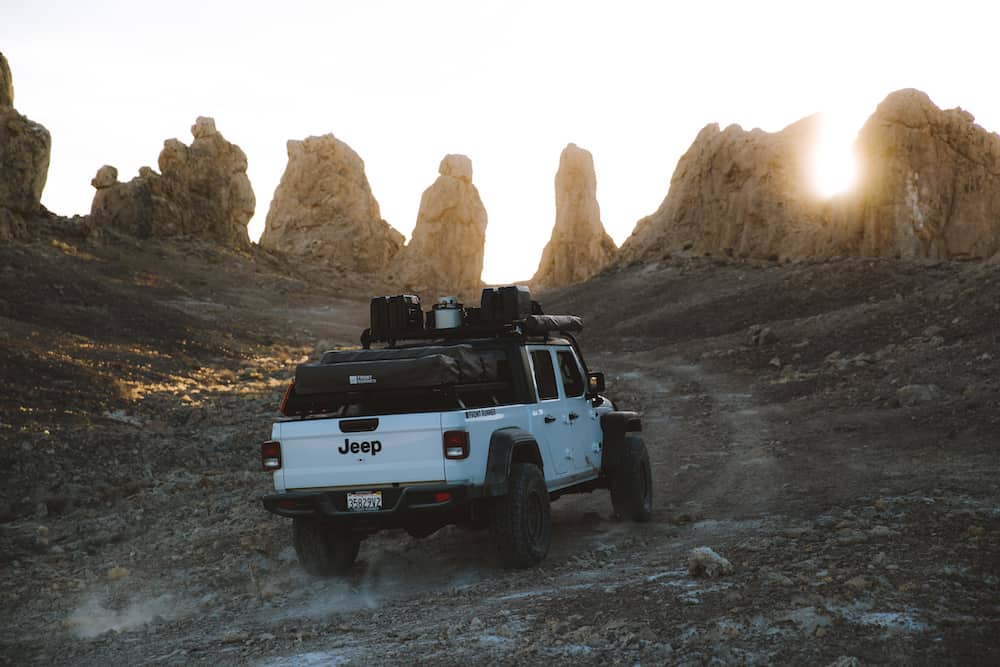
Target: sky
507	83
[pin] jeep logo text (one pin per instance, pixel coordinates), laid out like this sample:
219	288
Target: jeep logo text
373	447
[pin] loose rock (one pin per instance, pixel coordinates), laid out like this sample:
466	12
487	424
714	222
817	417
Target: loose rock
703	561
918	394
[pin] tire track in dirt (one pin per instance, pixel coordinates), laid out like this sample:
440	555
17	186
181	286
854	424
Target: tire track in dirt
712	442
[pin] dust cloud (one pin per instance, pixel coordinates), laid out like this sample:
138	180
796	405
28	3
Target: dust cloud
93	618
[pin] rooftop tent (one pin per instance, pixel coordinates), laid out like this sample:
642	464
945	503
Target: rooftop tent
434	376
396	368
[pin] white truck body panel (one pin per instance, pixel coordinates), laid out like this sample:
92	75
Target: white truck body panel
317	454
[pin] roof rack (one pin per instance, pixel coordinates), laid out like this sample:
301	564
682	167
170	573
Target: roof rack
393	336
532	325
503	311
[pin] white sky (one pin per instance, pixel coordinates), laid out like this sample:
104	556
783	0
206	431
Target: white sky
508	84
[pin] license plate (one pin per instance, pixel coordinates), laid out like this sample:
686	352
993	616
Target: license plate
364	502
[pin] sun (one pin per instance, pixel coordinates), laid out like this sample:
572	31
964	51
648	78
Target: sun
834	165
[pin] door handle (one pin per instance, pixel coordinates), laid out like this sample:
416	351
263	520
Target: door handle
573	416
549	419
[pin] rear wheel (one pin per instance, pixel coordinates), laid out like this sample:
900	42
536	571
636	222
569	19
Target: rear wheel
324	550
520	522
632	482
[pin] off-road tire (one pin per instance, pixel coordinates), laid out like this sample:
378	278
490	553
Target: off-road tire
324	550
632	482
521	522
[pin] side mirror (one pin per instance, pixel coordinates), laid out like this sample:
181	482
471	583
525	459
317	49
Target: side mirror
595	383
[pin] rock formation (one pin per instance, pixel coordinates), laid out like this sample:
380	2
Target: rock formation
930	182
324	209
929	186
445	254
6	84
202	191
24	161
738	193
579	246
105	178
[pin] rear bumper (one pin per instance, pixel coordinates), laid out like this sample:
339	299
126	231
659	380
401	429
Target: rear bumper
399	503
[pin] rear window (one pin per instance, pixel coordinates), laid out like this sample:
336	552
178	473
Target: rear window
545	376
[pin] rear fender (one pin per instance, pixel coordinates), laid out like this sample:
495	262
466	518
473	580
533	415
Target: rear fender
507	446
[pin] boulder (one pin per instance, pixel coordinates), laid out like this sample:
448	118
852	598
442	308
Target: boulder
445	254
24	161
579	246
202	191
928	187
324	209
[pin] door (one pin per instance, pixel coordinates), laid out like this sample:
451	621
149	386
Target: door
581	415
550	416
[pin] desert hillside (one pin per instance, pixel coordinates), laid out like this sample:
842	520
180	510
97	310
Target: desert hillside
829	428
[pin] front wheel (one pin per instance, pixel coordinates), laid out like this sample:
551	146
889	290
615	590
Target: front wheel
520	522
632	482
323	550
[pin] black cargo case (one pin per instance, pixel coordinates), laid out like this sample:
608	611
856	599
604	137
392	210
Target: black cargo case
399	313
505	304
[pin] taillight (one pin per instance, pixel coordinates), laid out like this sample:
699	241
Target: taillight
456	444
270	456
288	394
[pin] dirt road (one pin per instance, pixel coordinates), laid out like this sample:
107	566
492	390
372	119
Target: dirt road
861	515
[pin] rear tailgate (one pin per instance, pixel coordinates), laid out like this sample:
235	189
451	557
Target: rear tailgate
323	453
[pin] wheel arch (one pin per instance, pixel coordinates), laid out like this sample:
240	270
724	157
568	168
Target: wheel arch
615	426
508	446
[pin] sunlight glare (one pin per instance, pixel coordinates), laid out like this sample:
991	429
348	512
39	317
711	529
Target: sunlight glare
834	162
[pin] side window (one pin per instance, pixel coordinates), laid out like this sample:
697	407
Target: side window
545	376
570	371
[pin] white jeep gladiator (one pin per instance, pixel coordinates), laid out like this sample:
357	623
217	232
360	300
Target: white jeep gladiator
479	418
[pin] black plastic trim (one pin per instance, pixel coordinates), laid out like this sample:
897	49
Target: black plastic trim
333	504
503	444
358	425
614	426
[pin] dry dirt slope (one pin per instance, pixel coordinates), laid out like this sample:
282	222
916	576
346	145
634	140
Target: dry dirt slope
847	466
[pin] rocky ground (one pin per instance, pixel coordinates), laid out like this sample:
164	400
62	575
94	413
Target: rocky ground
830	429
